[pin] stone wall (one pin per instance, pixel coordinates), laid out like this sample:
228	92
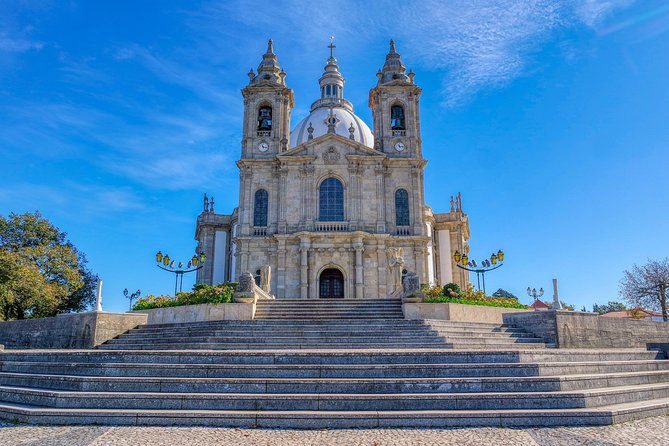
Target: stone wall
568	329
200	313
79	330
456	312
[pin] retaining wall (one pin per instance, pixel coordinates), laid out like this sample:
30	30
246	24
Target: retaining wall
200	313
456	312
570	329
77	330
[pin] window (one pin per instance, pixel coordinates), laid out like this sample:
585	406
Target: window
331	200
397	117
260	208
401	207
265	118
334	91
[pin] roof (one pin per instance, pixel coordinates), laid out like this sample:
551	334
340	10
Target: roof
539	305
317	119
626	314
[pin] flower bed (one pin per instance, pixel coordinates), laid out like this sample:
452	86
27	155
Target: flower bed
201	294
451	293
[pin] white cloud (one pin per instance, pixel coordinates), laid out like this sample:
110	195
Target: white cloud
17	45
478	44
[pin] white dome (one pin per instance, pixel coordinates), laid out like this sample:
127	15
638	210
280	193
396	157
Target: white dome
318	120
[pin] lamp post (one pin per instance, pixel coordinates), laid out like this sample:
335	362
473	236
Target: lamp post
532	292
132	297
165	263
462	261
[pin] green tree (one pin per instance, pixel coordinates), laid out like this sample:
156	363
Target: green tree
504	293
41	272
609	307
646	286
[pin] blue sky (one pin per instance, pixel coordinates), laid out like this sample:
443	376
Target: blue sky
549	116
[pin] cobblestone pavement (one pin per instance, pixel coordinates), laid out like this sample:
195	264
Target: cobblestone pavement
648	432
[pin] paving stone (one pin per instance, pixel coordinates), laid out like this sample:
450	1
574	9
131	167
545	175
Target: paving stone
647	432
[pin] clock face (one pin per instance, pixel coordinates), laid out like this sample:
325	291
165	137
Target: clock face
263	146
399	146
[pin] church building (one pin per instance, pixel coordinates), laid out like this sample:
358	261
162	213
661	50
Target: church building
334	208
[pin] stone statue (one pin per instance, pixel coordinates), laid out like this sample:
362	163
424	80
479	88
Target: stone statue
411	284
206	203
395	265
265	277
246	283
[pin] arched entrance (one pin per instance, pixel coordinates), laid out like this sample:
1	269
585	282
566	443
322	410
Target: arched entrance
331	284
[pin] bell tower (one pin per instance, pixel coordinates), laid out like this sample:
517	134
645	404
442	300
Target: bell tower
395	109
267	105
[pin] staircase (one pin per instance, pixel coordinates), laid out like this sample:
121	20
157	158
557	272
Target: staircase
307	367
313	324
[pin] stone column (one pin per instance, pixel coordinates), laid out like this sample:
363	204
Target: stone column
281	198
379	170
359	247
304	267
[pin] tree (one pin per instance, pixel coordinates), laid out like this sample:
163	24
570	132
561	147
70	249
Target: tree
609	307
504	293
41	272
646	286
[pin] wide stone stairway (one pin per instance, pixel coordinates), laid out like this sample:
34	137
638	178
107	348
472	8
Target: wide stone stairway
308	369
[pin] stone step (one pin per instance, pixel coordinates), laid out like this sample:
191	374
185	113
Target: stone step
340	371
370	356
283	338
332	401
330	419
284	332
330	385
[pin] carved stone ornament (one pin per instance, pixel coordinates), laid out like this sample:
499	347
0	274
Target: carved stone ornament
246	283
331	156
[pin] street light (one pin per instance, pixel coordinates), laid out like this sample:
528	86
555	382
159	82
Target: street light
165	263
532	292
462	261
132	297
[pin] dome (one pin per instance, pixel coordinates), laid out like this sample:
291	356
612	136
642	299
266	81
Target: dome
331	101
344	120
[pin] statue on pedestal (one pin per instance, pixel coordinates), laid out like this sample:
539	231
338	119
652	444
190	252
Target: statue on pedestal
395	265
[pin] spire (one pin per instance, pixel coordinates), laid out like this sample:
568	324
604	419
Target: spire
269	69
394	68
332	84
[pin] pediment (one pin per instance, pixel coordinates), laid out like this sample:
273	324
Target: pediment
331	147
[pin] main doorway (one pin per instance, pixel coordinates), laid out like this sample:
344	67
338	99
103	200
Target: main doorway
331	284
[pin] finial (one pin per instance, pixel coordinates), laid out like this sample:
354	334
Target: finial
452	204
250	74
332	46
206	203
392	46
310	131
211	204
411	75
351	131
270	47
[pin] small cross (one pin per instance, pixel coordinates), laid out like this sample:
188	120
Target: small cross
332	46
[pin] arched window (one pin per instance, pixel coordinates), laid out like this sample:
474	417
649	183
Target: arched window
331	200
397	117
260	208
265	118
401	207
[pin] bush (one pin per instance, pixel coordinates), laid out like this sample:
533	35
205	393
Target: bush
451	290
432	291
453	294
201	294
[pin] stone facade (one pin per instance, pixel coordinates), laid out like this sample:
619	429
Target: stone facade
327	204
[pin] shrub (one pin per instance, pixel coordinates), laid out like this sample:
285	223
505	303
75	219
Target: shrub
432	291
451	290
470	296
201	294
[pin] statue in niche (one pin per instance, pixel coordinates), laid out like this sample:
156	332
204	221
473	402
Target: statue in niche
265	277
395	266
